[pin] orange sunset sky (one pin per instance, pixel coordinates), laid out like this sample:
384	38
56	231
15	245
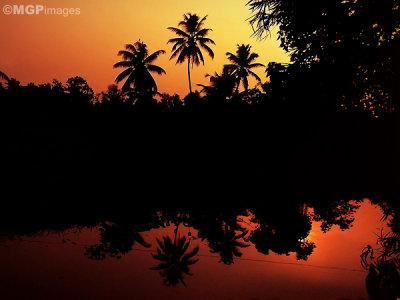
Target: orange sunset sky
40	48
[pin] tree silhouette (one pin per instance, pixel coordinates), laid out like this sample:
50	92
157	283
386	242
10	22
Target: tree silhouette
221	85
348	48
138	66
174	260
383	263
191	39
241	65
228	244
116	241
79	91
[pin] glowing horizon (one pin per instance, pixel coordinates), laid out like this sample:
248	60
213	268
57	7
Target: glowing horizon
40	48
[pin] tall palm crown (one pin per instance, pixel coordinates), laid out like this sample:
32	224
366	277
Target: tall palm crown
192	37
241	65
138	66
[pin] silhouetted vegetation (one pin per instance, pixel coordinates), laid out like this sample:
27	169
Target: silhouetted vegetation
320	132
192	38
383	263
138	66
174	259
241	65
343	52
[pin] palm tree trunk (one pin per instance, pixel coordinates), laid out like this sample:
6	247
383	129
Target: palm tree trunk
190	81
176	233
237	86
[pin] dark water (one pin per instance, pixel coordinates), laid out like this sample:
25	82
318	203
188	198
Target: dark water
117	260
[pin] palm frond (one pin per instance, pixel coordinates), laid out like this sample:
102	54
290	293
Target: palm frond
156	69
123	75
126	55
4	76
256	65
203	32
179	32
123	64
208	49
149	59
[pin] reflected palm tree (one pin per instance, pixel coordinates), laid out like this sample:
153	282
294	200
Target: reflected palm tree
175	261
192	37
228	245
241	64
138	66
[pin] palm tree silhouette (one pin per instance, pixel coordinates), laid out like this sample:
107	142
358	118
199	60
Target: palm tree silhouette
191	39
221	85
241	65
228	244
138	66
175	261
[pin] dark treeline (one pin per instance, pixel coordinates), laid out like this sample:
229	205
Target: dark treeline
324	127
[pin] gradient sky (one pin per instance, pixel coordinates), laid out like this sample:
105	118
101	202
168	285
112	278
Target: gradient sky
40	48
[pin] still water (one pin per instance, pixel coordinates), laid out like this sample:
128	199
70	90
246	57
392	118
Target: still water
110	261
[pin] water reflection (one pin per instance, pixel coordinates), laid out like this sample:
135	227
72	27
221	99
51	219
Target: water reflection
180	241
383	263
175	259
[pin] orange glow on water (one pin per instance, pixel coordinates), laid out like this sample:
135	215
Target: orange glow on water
40	48
45	267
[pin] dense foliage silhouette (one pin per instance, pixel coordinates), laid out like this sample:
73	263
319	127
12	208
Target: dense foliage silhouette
344	51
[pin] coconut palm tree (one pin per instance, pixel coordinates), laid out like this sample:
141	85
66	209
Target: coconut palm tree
228	244
192	37
138	66
175	261
241	64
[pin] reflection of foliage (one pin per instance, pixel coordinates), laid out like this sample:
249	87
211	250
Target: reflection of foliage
339	213
116	240
383	263
228	244
276	234
174	260
222	230
388	250
304	249
4	76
